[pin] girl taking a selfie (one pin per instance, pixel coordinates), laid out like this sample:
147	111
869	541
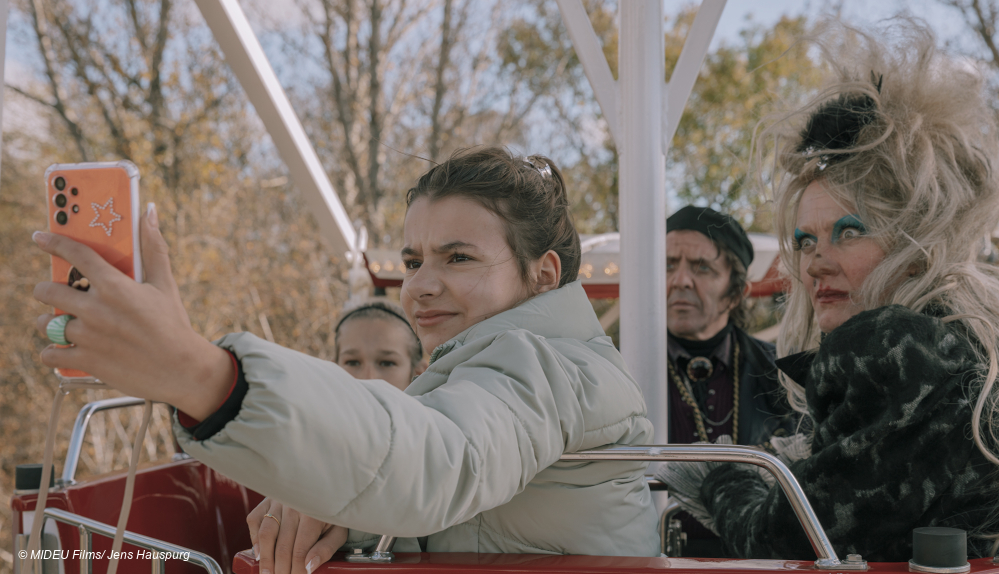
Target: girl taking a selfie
520	373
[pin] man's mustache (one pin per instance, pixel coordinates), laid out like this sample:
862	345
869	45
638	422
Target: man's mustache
683	296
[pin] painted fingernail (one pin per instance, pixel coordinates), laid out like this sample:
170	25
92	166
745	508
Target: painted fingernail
265	571
312	564
256	553
151	213
40	237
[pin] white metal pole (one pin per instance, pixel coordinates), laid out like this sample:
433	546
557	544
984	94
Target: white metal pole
587	46
688	66
247	60
642	201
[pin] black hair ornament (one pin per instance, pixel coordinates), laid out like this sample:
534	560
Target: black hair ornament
837	124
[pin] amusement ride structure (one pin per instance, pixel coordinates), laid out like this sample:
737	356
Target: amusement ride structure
185	508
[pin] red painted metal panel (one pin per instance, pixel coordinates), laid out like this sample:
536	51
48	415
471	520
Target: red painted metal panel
771	284
184	503
533	563
188	504
602	291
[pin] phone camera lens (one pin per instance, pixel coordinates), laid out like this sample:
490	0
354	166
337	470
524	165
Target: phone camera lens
60	183
76	209
62	218
75	191
60	200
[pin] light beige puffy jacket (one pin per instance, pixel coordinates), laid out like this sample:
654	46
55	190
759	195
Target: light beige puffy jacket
468	455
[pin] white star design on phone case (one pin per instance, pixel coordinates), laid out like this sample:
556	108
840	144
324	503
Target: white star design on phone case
99	211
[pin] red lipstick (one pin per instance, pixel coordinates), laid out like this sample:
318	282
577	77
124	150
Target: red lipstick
828	296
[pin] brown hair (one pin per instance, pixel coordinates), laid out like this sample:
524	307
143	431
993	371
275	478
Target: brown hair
527	193
379	310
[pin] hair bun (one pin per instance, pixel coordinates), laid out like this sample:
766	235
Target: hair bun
528	193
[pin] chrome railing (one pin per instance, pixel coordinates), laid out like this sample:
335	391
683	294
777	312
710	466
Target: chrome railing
670	540
381	554
87	528
827	559
80	431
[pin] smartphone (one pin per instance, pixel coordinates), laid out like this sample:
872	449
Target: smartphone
96	204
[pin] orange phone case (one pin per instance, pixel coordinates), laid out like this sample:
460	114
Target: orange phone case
96	204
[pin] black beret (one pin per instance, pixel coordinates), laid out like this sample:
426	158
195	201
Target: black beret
717	227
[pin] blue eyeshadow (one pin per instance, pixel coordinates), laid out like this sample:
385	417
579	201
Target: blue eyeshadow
847	222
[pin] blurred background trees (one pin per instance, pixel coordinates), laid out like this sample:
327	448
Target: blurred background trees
383	87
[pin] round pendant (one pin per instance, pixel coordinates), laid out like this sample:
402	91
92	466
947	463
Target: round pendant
699	369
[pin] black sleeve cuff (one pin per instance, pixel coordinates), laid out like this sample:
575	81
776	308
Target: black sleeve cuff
227	411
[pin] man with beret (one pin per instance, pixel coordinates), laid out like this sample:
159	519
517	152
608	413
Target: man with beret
721	381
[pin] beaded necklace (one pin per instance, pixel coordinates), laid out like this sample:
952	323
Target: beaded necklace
698	417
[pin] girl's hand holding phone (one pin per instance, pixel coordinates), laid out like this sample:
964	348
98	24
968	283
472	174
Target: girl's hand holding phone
135	337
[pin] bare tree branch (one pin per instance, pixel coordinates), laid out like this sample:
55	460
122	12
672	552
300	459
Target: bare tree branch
986	28
58	93
982	20
343	93
442	63
374	101
30	96
140	29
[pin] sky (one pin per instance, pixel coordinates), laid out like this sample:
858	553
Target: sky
737	14
735	17
945	21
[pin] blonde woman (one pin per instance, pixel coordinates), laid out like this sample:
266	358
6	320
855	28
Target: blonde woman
885	185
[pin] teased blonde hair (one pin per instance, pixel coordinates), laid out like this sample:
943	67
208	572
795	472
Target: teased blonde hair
921	177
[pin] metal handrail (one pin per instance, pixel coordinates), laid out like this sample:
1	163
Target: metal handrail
671	509
87	527
80	431
827	559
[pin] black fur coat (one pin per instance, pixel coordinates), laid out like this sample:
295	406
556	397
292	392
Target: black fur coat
890	393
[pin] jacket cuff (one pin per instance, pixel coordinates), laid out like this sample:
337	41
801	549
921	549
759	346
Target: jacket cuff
226	412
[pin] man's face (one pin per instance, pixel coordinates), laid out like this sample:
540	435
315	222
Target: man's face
697	276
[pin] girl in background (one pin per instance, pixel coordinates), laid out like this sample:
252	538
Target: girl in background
375	341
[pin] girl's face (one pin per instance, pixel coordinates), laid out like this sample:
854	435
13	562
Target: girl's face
373	348
459	268
836	255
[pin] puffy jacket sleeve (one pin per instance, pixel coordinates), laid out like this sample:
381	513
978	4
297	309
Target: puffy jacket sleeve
363	455
887	393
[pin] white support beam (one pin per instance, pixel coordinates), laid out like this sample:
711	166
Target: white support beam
587	46
688	66
3	54
249	63
642	200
